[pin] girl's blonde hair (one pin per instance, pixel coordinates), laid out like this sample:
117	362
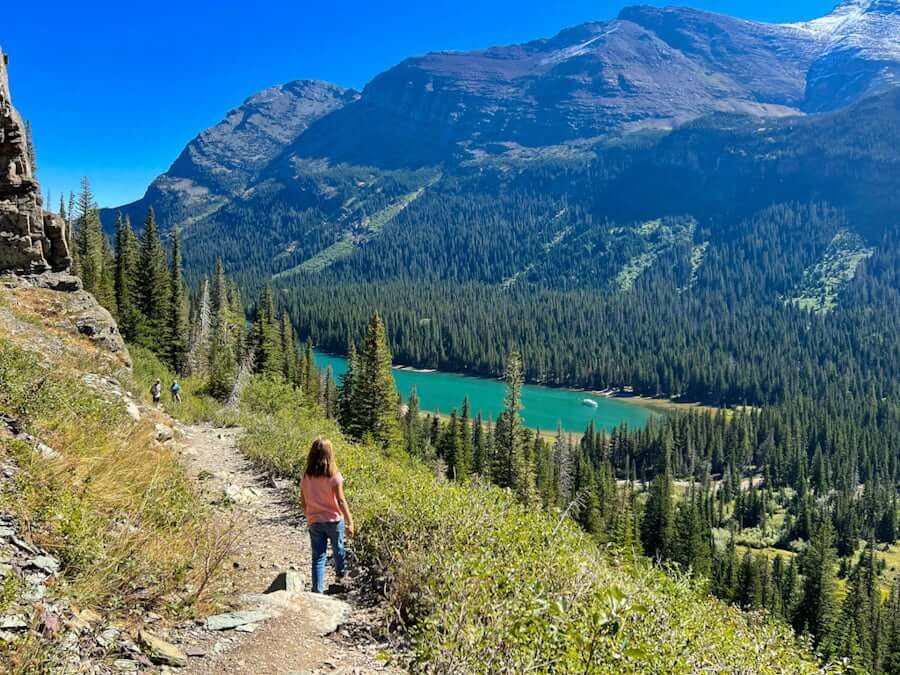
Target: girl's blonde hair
321	460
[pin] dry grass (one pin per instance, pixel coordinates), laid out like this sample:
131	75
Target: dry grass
116	506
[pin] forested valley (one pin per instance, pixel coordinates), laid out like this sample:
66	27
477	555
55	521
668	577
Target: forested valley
785	500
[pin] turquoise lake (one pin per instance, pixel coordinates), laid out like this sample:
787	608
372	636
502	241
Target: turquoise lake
544	407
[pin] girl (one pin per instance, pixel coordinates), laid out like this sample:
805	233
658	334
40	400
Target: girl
327	513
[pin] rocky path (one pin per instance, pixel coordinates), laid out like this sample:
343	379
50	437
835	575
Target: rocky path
303	633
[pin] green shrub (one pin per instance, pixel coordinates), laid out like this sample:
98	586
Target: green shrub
484	585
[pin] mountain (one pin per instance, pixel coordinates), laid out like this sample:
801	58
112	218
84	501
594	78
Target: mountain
304	176
223	160
857	53
649	67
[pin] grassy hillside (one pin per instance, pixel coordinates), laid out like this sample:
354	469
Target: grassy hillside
115	507
483	584
823	281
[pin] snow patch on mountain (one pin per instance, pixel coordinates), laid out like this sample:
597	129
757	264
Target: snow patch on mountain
575	50
871	28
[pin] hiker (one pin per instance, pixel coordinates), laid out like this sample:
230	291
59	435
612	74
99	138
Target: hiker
326	509
175	390
156	391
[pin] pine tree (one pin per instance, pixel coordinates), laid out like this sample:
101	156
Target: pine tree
892	631
544	471
224	338
349	414
127	261
450	446
290	357
692	543
562	457
266	336
331	394
236	315
310	372
412	425
434	432
725	571
817	611
375	392
89	241
481	456
180	311
750	583
511	468
627	527
198	355
790	590
464	460
858	632
106	293
586	496
658	523
72	236
155	291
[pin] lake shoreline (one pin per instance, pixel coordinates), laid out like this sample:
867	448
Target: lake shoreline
616	394
663	404
545	406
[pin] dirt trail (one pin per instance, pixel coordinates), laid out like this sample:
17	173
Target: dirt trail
274	540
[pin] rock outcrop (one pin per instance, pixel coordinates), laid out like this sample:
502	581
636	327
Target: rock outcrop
60	303
32	241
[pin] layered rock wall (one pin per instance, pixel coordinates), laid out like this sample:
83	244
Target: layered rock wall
32	241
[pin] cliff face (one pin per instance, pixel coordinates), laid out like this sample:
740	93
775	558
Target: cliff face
32	241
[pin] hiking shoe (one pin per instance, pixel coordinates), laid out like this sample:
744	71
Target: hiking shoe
338	588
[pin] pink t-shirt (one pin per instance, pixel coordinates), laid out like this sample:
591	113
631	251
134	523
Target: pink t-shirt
320	493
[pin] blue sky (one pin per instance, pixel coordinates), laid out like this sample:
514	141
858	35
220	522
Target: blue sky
114	89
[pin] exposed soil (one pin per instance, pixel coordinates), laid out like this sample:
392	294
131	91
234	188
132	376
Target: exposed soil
273	539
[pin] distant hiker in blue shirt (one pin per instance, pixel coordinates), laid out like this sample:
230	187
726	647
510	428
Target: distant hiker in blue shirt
176	391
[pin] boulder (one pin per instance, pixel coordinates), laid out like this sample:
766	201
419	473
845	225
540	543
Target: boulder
286	581
56	281
45	563
108	637
239	495
235	619
13	622
324	612
89	616
45	451
195	651
164	433
133	411
162	652
96	323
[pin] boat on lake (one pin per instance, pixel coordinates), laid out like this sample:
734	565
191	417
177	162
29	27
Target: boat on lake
590	403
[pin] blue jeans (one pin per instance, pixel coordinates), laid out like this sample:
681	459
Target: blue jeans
319	536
